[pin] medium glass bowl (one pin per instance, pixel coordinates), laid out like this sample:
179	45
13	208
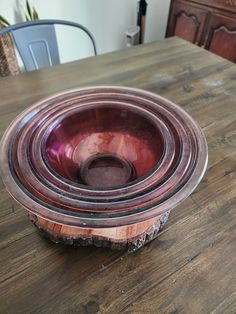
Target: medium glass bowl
102	165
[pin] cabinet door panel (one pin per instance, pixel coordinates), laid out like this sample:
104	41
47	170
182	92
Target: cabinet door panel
221	38
186	21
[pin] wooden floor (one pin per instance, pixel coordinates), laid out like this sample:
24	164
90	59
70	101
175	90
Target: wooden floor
191	266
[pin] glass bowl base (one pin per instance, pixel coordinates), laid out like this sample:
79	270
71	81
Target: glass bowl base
106	170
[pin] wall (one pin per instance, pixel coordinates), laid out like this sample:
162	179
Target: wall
108	20
157	16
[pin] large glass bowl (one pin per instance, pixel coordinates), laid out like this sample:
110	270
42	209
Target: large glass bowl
102	165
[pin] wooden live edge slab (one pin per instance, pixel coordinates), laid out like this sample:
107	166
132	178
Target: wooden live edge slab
190	267
131	237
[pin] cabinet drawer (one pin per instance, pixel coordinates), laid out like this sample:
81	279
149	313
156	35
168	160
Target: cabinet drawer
229	5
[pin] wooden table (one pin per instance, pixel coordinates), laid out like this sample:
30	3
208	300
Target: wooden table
191	266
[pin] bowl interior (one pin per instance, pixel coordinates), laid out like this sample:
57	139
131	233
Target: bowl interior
104	146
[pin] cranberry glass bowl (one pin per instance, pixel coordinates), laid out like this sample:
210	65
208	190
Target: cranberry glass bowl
102	165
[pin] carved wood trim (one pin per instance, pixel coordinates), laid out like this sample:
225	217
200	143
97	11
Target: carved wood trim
188	16
231	2
215	29
229	6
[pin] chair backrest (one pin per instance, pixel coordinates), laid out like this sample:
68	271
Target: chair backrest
36	42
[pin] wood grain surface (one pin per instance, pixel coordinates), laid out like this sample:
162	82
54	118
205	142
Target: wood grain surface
191	266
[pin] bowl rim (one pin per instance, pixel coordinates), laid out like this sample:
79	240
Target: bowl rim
153	210
133	183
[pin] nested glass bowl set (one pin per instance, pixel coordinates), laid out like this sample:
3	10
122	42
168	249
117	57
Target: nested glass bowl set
102	163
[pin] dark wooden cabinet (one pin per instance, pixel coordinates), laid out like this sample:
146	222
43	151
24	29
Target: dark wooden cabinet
210	24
